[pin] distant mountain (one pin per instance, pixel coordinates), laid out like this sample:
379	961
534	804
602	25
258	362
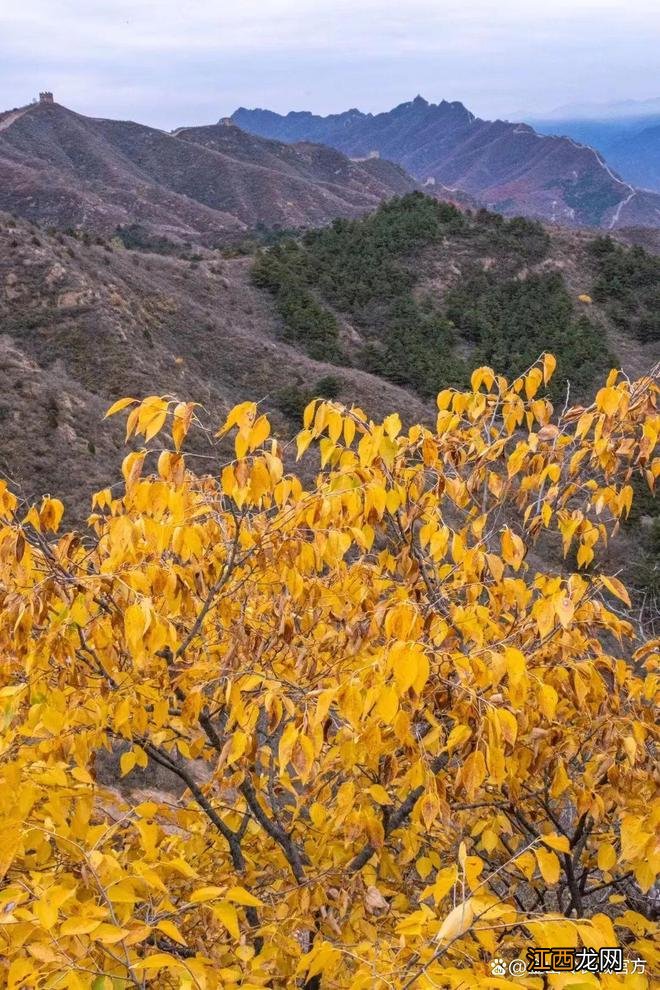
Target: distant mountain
203	184
637	156
613	110
507	166
631	145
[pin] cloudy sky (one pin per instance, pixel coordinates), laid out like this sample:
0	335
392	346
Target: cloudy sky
170	62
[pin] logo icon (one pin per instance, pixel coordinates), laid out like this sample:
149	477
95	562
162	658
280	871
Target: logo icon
498	966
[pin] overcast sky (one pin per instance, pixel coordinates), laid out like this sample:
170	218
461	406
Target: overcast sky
172	62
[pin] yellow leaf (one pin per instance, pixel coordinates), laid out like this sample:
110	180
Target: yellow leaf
239	743
349	431
515	664
513	549
46	912
608	399
118	406
226	914
557	842
379	794
560	781
607	856
532	382
444	881
429	808
203	894
181	866
473	772
508	725
444	398
564	608
259	432
241	896
308	415
323	958
473	868
127	761
548	865
423	866
392	425
387	704
630	747
302	756
10	841
79	925
169	928
458	735
634	837
615	586
109	934
496	763
413	924
405	668
18	970
137	618
303	441
181	419
548	700
549	365
50	514
152	417
456	923
526	864
159	960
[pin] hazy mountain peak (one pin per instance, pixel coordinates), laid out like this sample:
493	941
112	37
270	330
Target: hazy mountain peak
614	110
507	166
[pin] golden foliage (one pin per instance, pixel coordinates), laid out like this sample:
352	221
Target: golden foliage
418	753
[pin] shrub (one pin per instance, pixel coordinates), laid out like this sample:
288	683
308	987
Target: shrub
366	269
291	400
328	387
628	283
511	322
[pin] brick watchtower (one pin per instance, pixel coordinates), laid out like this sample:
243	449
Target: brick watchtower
46	97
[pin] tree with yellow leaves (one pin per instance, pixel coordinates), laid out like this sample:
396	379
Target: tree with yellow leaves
403	750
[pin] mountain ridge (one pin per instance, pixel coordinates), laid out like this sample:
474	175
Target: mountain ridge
63	169
506	166
631	145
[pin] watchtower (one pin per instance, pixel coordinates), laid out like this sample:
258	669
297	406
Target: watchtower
46	97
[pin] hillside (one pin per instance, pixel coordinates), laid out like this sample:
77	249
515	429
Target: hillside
82	323
506	166
205	185
420	293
